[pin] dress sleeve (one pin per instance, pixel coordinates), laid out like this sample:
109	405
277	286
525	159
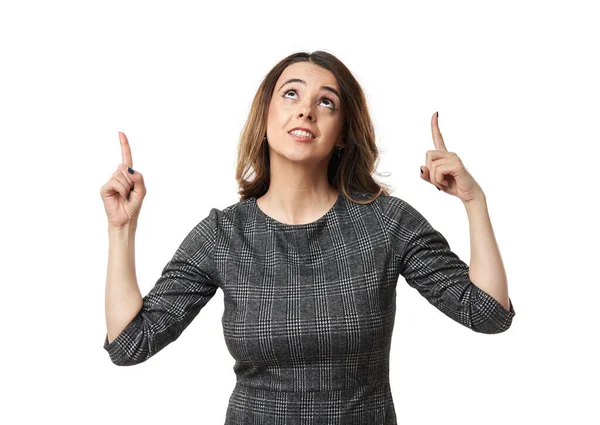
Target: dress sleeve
186	284
425	260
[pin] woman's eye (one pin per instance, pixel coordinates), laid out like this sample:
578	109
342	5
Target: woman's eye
332	104
289	91
330	101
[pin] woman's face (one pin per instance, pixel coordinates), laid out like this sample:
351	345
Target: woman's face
312	103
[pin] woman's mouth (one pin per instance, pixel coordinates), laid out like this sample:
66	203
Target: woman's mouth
300	138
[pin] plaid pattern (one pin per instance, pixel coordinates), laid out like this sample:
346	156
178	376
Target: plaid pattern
309	308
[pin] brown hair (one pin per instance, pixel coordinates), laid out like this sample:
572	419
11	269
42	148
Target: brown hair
351	172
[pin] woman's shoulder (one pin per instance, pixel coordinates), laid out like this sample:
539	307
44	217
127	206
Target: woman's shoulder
394	207
381	200
234	211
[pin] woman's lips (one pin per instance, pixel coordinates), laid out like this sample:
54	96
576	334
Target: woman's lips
301	138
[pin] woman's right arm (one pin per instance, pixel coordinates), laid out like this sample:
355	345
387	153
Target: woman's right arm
138	328
122	196
187	282
123	299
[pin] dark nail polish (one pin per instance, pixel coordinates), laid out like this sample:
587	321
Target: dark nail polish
438	188
129	170
127	196
438	114
421	170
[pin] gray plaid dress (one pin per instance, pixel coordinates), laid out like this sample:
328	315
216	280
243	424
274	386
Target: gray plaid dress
308	309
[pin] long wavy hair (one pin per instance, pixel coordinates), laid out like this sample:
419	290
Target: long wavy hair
351	172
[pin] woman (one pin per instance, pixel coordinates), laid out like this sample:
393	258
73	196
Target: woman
308	259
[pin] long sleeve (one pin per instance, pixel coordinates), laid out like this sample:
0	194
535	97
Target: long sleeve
425	260
187	282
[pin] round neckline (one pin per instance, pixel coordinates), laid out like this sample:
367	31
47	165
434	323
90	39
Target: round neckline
282	225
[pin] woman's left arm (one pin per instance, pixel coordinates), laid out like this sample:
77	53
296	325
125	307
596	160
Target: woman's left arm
446	172
486	269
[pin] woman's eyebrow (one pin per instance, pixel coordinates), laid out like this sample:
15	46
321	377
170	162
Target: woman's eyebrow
298	80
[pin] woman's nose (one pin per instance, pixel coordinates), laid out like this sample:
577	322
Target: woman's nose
301	115
305	111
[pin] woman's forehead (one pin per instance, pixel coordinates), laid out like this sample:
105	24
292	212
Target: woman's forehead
307	72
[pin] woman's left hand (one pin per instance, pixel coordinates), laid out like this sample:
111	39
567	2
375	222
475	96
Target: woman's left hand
446	171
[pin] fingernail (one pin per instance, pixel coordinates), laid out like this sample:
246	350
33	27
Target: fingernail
129	170
421	170
438	114
438	188
127	196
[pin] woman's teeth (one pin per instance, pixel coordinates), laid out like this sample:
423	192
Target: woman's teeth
301	133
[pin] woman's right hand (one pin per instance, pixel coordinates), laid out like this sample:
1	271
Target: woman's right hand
124	191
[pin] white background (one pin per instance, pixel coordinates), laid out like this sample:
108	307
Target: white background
516	86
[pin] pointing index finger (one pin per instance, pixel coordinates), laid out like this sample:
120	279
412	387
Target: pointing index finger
438	140
125	150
